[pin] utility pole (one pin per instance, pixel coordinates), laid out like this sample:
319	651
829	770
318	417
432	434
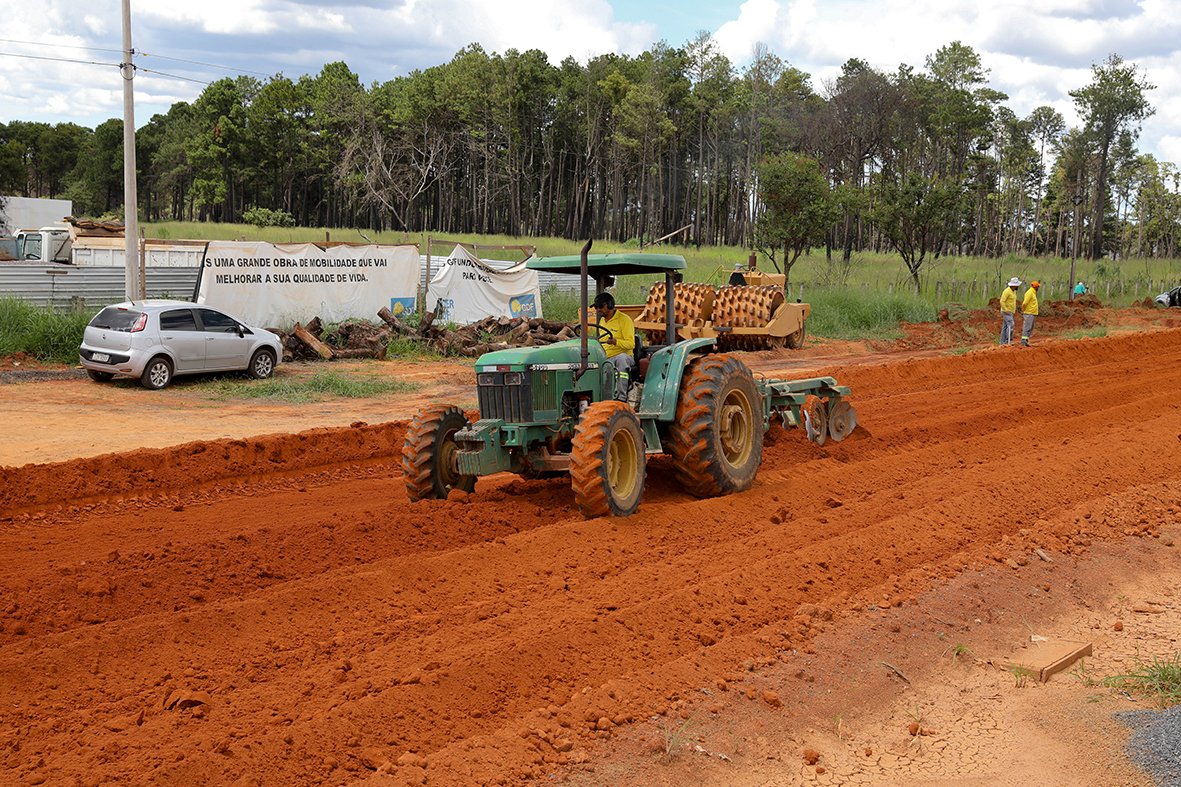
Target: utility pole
132	286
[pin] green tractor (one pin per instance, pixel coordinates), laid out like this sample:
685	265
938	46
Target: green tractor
548	410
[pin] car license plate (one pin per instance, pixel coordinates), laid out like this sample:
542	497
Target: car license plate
100	357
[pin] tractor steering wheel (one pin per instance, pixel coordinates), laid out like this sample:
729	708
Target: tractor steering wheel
600	328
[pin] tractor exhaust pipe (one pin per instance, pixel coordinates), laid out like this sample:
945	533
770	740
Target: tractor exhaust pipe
584	353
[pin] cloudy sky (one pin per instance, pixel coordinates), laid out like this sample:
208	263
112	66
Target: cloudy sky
1036	50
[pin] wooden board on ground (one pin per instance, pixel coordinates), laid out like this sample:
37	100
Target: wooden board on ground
1044	659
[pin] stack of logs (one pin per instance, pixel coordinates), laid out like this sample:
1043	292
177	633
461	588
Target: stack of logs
491	333
351	339
359	339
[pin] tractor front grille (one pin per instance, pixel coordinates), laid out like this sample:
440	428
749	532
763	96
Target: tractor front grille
545	391
510	402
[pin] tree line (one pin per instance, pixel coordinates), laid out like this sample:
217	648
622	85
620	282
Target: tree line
924	161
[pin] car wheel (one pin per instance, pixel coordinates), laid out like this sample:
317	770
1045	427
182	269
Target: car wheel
262	364
99	377
157	374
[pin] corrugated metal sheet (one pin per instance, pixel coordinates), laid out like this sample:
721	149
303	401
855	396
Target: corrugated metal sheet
65	285
62	286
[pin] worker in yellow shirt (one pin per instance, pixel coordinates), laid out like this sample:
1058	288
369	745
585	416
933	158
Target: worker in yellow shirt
1008	306
1029	309
618	340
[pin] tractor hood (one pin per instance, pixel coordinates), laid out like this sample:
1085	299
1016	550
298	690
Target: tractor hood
562	354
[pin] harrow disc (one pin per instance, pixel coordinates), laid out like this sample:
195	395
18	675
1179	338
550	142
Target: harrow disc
842	420
815	413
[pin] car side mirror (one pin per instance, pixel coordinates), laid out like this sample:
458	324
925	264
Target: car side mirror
241	331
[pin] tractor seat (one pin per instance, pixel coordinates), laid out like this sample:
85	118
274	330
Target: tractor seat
643	358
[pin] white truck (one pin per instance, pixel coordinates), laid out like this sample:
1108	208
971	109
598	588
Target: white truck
49	267
55	245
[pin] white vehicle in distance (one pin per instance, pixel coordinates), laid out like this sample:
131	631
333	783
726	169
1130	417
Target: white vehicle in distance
155	340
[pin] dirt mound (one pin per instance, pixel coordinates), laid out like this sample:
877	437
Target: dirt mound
155	470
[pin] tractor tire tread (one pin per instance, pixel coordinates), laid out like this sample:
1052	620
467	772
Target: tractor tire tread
692	443
588	467
418	452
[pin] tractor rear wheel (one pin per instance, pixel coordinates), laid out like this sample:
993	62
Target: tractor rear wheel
716	440
428	455
607	463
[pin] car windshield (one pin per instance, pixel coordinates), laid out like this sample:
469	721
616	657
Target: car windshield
115	319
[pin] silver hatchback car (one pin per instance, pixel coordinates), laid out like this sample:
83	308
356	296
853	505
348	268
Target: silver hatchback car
156	340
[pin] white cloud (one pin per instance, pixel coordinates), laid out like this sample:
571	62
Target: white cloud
756	18
252	17
1170	147
1037	50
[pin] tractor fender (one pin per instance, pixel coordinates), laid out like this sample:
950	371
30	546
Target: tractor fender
662	383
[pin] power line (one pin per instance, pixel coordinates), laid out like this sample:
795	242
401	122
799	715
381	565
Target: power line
171	76
58	59
208	65
54	43
231	69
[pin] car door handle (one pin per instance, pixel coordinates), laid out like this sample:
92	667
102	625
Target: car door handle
209	338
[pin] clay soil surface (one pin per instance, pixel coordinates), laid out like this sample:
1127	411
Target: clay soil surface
260	604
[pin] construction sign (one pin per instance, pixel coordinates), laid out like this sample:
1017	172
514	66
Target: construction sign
278	285
467	289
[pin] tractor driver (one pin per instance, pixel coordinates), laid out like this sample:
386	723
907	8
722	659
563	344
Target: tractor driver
620	343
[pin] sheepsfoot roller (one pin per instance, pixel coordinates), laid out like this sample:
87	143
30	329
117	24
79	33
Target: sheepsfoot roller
750	313
552	410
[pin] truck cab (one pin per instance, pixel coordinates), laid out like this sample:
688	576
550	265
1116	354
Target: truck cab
48	244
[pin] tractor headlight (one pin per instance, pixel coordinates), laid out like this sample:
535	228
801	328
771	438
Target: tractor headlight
486	378
513	378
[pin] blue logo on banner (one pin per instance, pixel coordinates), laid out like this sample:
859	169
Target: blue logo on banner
400	306
523	306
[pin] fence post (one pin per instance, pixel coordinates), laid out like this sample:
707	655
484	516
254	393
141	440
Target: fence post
890	288
938	289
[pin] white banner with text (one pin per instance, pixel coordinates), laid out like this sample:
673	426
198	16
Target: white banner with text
266	284
466	290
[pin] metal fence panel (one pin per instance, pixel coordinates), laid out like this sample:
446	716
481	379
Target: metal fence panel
64	286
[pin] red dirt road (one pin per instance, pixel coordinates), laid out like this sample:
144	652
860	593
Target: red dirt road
274	609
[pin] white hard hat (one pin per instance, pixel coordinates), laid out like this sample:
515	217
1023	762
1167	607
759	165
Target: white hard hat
1014	282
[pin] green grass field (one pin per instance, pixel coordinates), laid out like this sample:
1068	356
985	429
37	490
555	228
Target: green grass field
46	334
321	385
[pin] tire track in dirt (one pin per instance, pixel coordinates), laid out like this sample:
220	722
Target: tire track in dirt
508	654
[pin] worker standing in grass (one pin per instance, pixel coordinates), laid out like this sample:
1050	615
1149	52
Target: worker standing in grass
619	343
1029	310
1008	306
1080	289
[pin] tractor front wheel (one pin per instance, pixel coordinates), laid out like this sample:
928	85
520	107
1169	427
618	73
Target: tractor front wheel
428	455
716	440
607	463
